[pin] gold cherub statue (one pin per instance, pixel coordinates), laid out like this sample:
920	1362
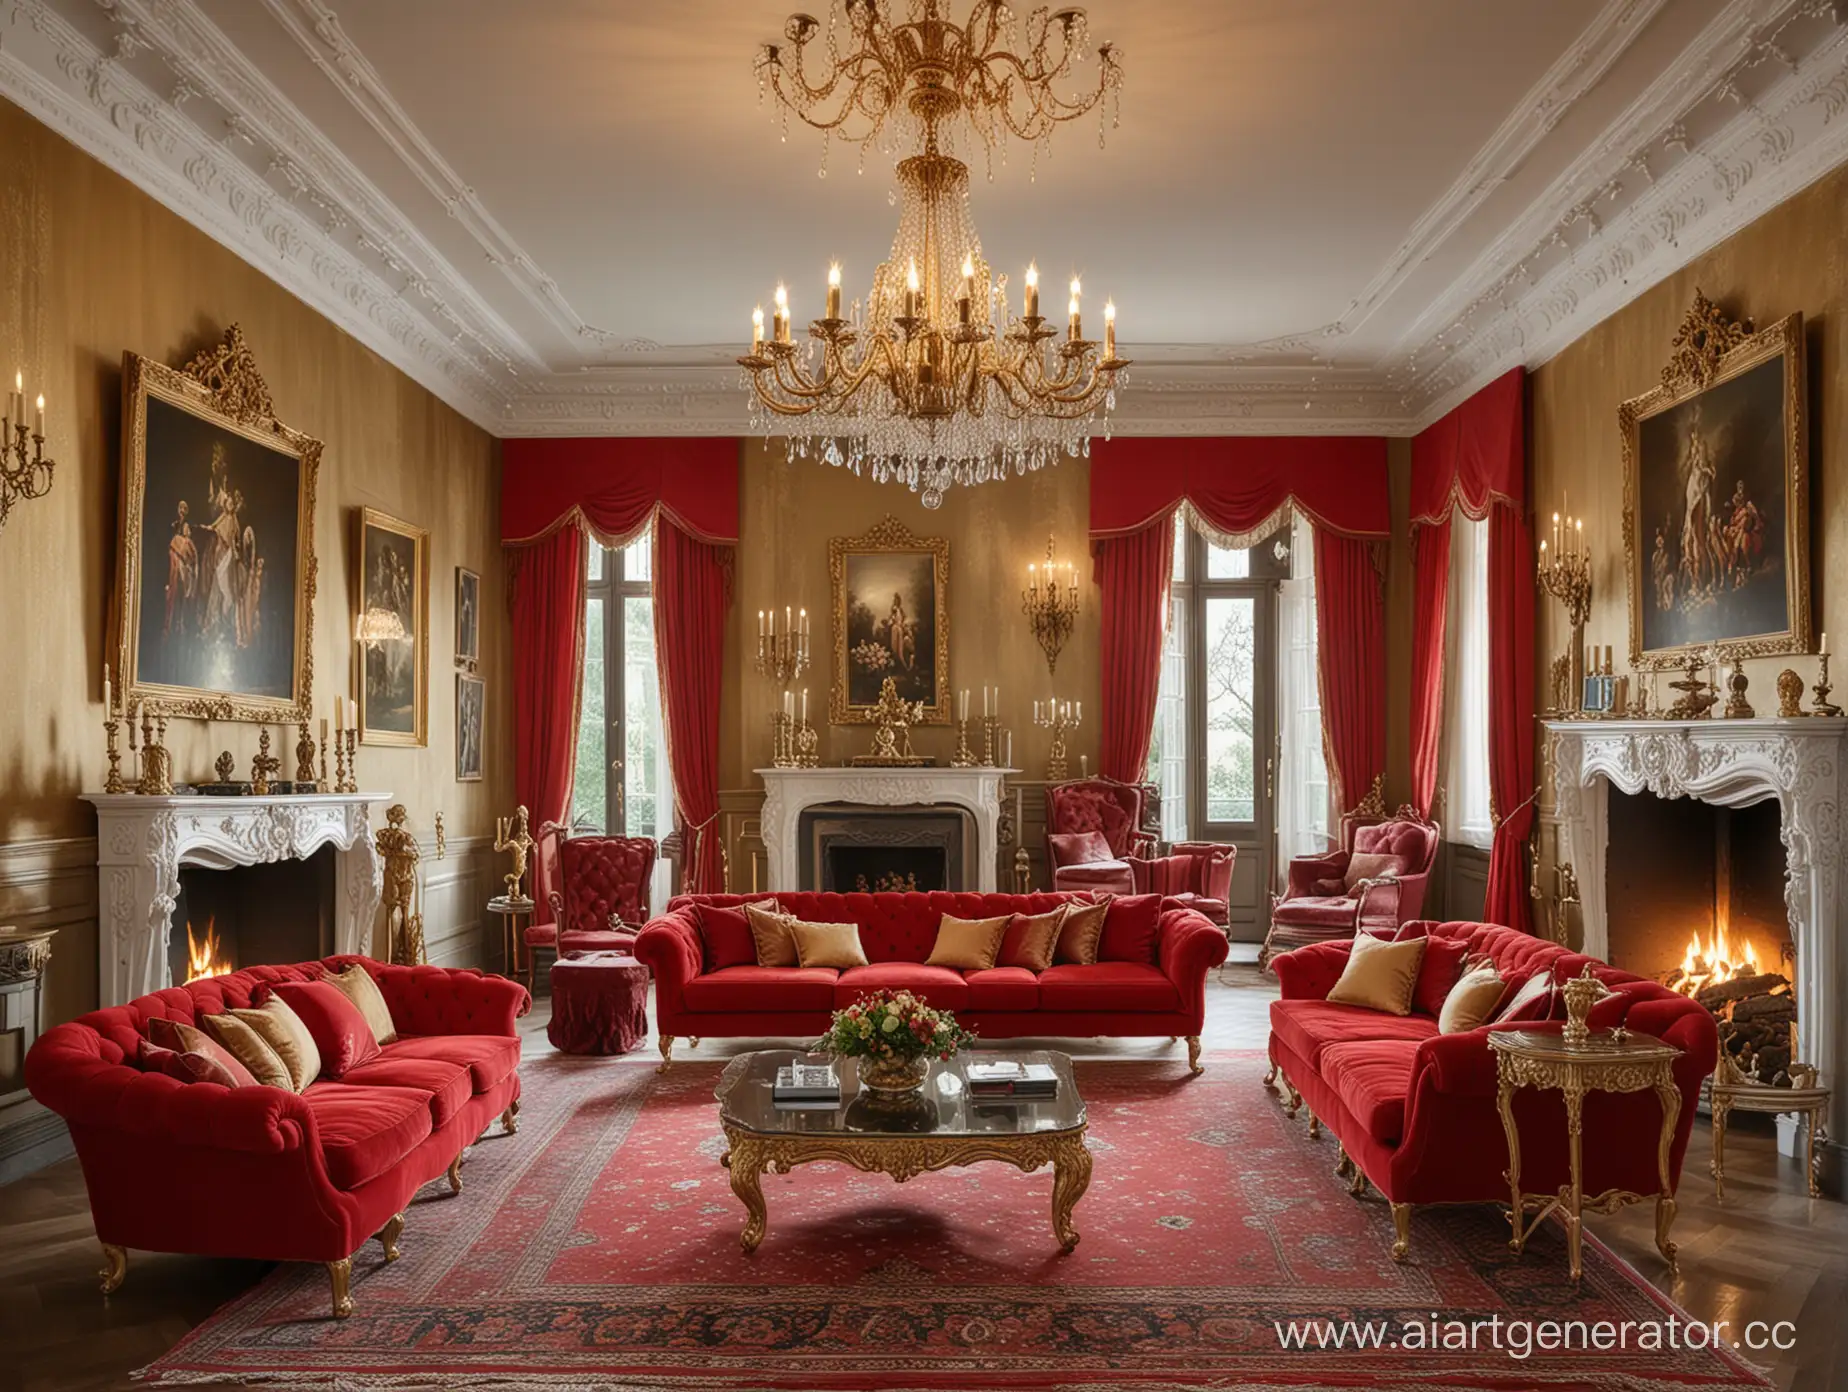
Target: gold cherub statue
403	924
516	842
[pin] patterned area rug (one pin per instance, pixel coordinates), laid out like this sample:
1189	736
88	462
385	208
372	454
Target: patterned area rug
598	1248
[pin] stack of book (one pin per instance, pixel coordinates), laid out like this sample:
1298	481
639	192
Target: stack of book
1005	1079
806	1087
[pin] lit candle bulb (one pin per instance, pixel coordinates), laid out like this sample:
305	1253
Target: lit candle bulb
834	291
966	305
911	291
16	406
1032	291
757	328
782	315
1033	580
1076	330
38	424
1110	328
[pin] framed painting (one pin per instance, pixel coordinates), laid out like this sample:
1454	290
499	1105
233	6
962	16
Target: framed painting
471	708
468	617
392	630
1716	495
214	600
891	594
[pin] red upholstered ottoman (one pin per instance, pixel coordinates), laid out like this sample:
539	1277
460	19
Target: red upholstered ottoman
599	1004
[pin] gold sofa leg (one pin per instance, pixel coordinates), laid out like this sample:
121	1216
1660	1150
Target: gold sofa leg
389	1235
1342	1163
1270	1078
1194	1066
1315	1127
455	1175
666	1044
115	1268
1402	1231
693	1042
510	1119
1292	1099
340	1276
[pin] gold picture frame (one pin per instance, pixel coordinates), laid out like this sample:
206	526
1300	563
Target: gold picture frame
391	629
213	609
916	572
1716	525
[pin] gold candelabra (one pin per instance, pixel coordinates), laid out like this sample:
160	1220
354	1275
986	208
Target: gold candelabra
1051	609
1061	718
793	741
352	760
964	757
1822	705
783	653
22	475
1565	574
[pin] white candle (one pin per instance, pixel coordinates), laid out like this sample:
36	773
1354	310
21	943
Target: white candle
107	702
1080	710
805	705
1008	758
38	427
1823	647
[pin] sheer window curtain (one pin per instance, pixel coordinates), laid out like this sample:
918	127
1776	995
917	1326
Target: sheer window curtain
1467	816
1168	749
1302	772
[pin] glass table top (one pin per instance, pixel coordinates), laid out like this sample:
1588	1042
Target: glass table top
944	1106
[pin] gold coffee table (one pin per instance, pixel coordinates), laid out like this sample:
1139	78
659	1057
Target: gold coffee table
946	1127
1607	1061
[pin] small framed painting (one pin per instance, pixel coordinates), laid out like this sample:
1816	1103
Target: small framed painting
471	708
468	617
392	630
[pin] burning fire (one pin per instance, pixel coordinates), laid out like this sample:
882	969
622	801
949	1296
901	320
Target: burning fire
1721	958
207	957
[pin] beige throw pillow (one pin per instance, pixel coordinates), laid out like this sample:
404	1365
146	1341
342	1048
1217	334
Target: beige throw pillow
770	931
248	1048
827	944
1380	975
282	1029
357	985
1370	866
1081	931
1470	1001
968	944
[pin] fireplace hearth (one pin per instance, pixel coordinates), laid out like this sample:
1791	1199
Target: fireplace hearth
251	915
853	849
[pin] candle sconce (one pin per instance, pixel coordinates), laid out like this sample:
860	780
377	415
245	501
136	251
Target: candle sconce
782	654
22	475
1051	609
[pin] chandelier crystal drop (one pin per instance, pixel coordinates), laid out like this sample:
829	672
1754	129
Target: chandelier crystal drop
934	381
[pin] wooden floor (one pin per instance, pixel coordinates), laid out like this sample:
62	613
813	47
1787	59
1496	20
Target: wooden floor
1768	1253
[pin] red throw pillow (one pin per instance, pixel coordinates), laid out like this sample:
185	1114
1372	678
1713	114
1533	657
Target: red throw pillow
340	1032
1437	973
177	1037
1078	848
1531	1000
1332	888
191	1066
725	935
1131	926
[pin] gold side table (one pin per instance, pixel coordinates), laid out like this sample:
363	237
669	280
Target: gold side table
1733	1091
1606	1061
516	916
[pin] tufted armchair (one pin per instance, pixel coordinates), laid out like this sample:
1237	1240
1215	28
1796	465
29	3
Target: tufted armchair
602	901
1339	895
1195	873
1093	827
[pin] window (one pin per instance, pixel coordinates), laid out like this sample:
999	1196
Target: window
1302	769
1466	686
622	785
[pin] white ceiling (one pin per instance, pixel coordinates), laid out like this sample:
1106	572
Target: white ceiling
1316	214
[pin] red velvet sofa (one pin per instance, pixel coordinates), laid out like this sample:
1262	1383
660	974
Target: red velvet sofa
1415	1111
1164	995
265	1173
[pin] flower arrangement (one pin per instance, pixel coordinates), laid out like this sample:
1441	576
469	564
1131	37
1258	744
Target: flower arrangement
894	1027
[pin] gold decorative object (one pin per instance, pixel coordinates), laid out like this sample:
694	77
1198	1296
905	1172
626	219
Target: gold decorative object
263	765
1051	610
403	922
782	653
1564	572
304	755
808	746
891	596
793	741
216	673
1687	541
113	783
340	763
1797	1090
1789	695
934	384
21	475
442	839
352	761
511	837
1581	992
1821	705
1602	1063
1061	718
156	761
1737	707
225	765
892	739
1697	698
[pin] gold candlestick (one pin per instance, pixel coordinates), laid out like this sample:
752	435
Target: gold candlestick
990	725
808	746
964	757
113	783
352	761
156	762
321	785
782	740
1821	705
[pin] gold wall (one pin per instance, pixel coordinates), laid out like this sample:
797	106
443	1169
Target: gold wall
89	267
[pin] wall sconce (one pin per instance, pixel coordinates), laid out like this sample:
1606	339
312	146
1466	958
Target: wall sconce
1051	609
22	476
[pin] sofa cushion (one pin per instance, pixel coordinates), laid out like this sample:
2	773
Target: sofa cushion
776	947
1095	877
1030	939
1471	1001
192	1066
250	1049
968	944
834	945
288	1034
357	985
751	989
1107	986
366	1130
935	986
1315	911
725	935
1370	866
1309	1026
446	1084
1079	933
489	1058
1078	848
1371	1077
575	941
1380	975
1003	988
341	1034
181	1038
1131	925
1437	973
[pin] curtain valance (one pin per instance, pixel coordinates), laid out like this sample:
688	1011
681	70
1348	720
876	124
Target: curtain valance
1475	456
615	486
1236	483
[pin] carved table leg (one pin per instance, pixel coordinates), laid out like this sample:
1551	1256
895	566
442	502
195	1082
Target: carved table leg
666	1044
1402	1231
1575	1190
1517	1215
1717	1165
389	1234
1071	1176
1809	1153
455	1175
340	1275
745	1162
1194	1066
115	1268
1670	1097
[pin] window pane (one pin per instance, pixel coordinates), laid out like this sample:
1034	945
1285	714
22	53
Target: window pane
1168	747
1227	563
595	561
1231	713
641	767
1181	532
589	792
638	558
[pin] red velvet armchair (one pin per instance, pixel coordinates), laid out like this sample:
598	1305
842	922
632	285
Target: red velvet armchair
1195	873
602	901
1093	827
1322	900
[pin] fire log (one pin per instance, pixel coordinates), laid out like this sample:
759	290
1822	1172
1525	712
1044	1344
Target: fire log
1739	988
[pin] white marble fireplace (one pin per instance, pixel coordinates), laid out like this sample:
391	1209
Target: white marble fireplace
141	843
1731	763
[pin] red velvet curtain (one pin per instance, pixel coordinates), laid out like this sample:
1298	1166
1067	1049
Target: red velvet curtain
1430	589
1133	573
548	656
1236	484
1350	622
692	590
1511	714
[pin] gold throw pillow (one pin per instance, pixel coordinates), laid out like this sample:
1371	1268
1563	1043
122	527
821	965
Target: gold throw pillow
827	944
968	944
1030	940
357	985
1380	975
1081	931
282	1029
770	932
249	1049
1470	1001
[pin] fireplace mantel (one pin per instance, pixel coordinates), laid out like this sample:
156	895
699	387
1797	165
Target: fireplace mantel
788	791
141	843
1731	763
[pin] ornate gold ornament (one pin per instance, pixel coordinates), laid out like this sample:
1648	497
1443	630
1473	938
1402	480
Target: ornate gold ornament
888	536
934	382
262	765
892	740
21	475
511	837
1051	608
1701	344
1789	695
403	922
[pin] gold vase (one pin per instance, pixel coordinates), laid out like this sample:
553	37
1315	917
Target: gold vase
893	1082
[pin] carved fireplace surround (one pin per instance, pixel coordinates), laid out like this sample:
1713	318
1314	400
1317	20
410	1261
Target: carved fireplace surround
1732	763
141	843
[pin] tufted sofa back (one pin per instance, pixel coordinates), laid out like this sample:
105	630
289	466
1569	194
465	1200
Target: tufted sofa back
1413	843
893	927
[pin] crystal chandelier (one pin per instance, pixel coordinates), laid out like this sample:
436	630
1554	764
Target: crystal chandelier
933	381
